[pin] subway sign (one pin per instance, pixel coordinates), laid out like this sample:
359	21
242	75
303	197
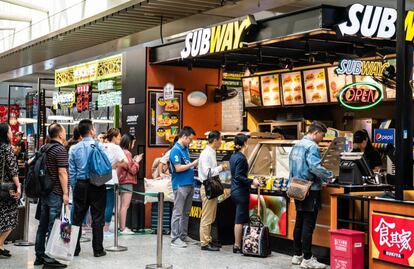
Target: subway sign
360	95
220	38
361	68
373	21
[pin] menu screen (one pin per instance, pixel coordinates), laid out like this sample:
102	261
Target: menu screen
270	90
292	88
336	83
165	118
251	91
315	86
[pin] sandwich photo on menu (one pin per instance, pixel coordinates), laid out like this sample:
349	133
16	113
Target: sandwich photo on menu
292	88
315	86
255	97
270	90
336	83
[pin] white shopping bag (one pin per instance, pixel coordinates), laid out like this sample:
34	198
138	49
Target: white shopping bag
62	239
159	185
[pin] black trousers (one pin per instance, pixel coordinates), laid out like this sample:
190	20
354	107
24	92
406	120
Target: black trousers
302	234
86	195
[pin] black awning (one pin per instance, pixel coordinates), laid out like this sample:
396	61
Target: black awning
307	36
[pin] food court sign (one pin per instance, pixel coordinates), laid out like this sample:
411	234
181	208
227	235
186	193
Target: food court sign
373	21
220	38
391	238
360	95
96	70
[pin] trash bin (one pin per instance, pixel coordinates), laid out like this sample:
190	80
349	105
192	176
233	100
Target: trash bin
347	249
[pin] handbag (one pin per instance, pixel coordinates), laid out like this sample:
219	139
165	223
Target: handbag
213	186
6	187
298	189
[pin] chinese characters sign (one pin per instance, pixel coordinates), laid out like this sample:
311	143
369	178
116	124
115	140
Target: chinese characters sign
109	99
83	97
96	70
391	238
63	100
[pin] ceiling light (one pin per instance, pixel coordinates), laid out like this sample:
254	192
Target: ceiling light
102	121
60	117
26	120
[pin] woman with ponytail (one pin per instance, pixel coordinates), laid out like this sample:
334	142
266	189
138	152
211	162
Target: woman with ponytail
240	185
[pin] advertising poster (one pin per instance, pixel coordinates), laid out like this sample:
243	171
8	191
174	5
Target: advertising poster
270	90
165	118
273	212
251	92
391	238
315	86
336	83
292	88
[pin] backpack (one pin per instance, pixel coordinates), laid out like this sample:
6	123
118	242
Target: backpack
38	182
100	168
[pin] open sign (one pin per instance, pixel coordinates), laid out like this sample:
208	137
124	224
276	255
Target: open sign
360	95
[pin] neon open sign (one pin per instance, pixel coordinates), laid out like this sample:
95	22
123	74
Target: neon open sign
360	95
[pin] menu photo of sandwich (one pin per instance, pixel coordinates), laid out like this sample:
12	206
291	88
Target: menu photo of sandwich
247	82
315	86
336	83
255	97
292	88
270	90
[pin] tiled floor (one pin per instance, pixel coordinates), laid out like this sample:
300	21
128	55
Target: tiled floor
142	251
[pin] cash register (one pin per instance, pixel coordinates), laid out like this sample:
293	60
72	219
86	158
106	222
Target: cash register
354	169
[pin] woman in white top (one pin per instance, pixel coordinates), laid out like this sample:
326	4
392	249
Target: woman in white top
117	158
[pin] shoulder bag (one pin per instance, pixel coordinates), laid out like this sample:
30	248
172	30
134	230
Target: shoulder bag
6	188
213	186
298	188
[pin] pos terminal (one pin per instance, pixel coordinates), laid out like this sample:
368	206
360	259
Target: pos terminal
354	169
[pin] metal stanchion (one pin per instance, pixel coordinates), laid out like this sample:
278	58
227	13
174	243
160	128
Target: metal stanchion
25	242
116	247
159	236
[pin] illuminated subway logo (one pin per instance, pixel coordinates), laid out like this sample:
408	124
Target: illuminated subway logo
360	95
218	38
374	21
361	68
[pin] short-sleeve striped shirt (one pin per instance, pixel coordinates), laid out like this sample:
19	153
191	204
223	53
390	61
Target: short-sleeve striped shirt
57	157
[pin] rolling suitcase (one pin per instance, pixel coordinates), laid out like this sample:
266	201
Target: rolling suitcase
256	236
166	218
136	216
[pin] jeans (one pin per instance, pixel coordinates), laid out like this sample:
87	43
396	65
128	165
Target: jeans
50	209
87	195
208	217
110	202
302	234
181	213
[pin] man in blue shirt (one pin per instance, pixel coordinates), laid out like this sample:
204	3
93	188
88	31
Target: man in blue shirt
305	163
183	185
86	195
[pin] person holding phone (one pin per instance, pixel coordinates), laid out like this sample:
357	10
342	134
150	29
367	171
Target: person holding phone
8	207
127	178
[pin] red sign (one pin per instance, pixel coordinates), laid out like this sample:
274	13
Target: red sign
391	238
82	97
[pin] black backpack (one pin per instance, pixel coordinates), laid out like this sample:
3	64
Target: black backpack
38	182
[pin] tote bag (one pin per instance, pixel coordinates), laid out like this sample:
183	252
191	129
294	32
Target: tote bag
62	239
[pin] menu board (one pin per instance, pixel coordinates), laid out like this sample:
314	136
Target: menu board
315	86
165	118
336	83
251	92
292	88
270	90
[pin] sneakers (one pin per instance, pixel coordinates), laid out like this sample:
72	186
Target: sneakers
188	240
297	260
108	234
126	231
312	263
177	243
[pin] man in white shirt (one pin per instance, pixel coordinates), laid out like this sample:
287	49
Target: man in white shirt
208	162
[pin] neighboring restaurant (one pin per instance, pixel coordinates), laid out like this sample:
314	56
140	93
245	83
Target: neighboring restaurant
287	71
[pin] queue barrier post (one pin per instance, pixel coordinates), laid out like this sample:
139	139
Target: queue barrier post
116	247
159	264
